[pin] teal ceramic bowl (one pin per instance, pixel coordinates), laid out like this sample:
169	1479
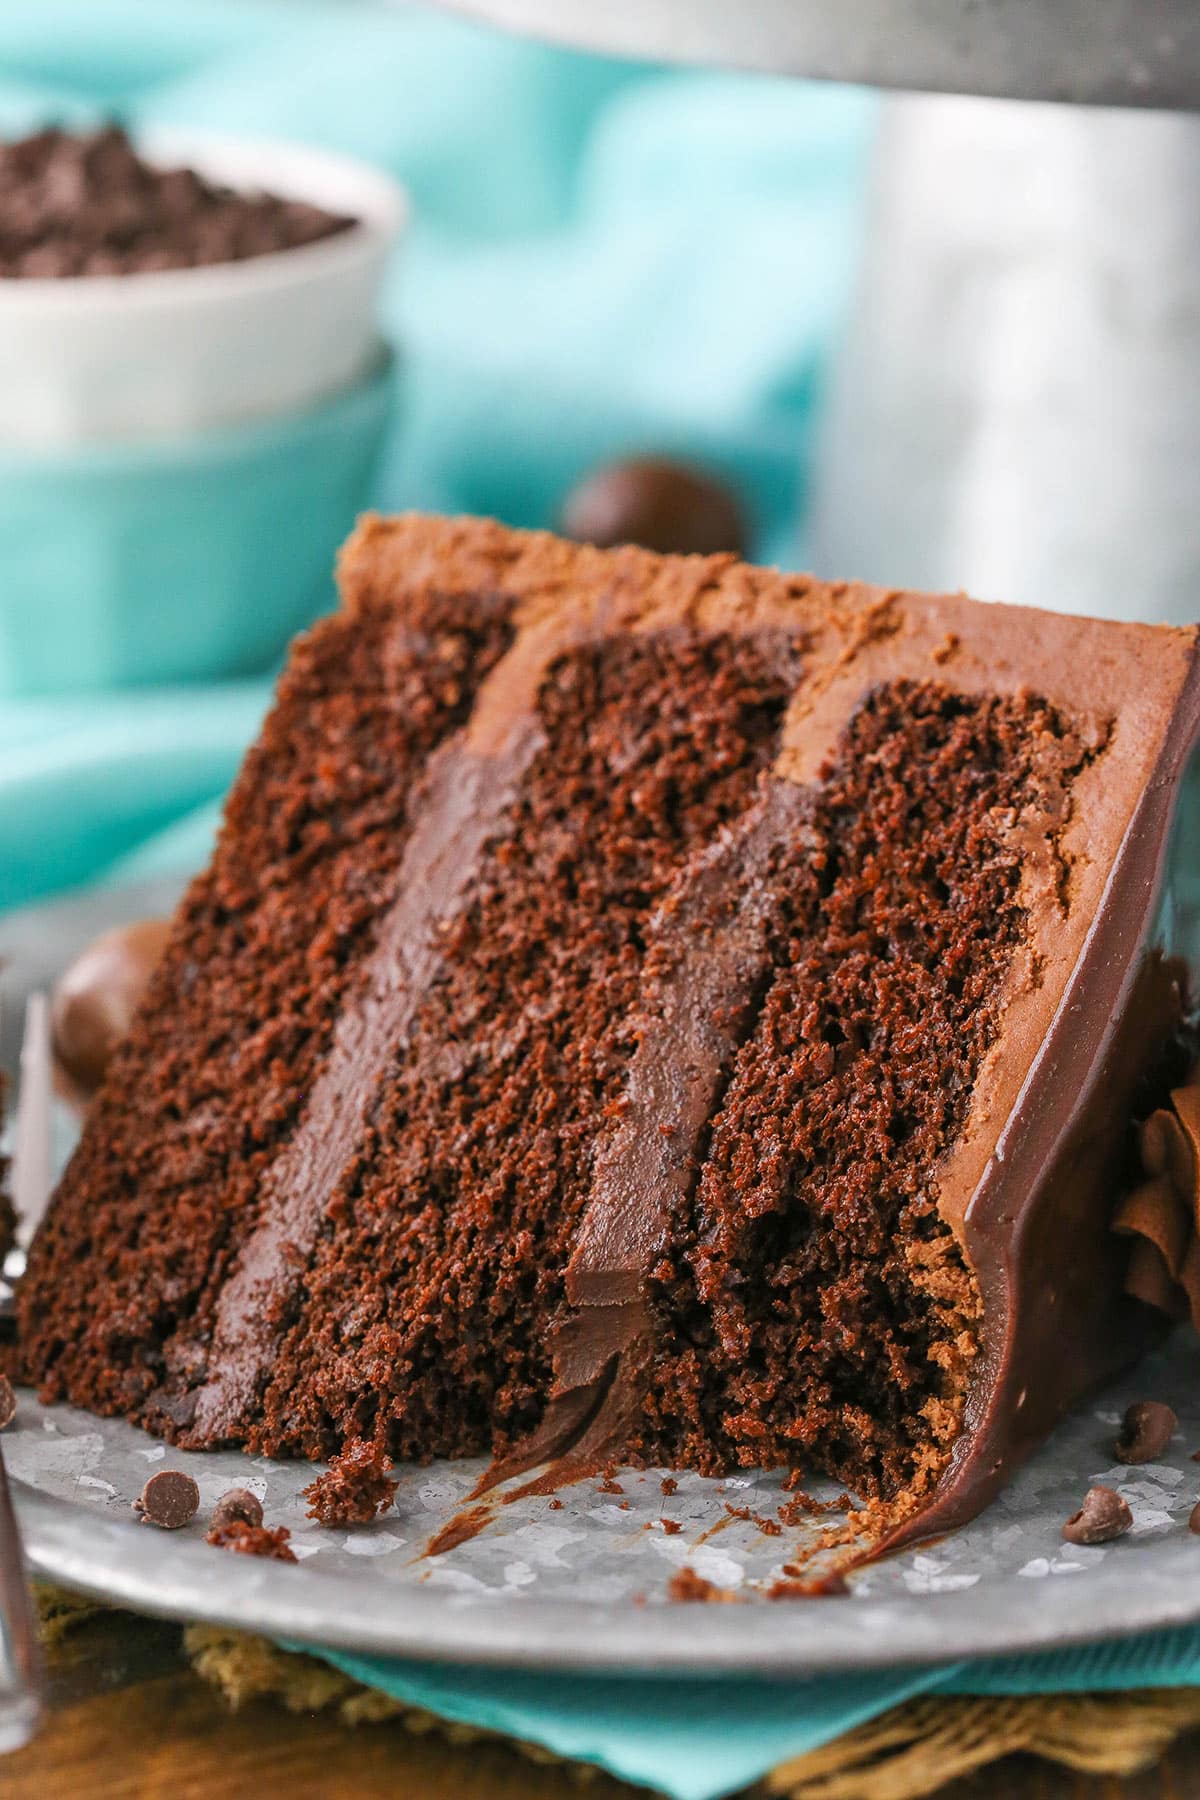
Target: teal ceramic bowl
189	559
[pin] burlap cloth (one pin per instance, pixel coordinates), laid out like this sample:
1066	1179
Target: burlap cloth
914	1749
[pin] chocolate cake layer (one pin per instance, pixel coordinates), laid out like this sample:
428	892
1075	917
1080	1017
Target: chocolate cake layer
648	1007
495	1036
175	1161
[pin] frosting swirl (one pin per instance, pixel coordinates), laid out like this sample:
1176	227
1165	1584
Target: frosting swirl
1162	1214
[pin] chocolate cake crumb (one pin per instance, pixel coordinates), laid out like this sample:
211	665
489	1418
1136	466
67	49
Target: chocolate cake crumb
672	1527
1102	1517
768	1527
8	1403
802	1506
556	1505
609	1486
810	1588
685	1584
253	1540
170	1499
239	1504
354	1489
670	1486
1146	1430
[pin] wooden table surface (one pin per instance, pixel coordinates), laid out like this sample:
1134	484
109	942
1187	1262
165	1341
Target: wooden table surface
129	1720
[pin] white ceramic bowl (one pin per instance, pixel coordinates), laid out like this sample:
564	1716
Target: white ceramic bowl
133	356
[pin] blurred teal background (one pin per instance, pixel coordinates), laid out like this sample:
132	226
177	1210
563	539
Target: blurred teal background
606	257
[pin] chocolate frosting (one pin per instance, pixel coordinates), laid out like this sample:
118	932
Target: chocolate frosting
708	963
465	800
1056	1319
1162	1214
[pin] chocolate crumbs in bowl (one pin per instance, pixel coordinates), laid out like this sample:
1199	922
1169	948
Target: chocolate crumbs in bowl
87	204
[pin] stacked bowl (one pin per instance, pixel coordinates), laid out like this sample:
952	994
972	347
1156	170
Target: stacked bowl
182	448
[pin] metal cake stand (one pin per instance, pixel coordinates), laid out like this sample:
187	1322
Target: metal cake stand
1016	408
1104	52
586	1587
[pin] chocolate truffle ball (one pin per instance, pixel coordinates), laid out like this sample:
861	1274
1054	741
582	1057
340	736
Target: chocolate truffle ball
95	1000
661	505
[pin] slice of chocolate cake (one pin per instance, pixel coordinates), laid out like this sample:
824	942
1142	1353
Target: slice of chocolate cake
654	1009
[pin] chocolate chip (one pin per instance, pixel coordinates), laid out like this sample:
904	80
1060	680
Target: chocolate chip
239	1504
660	505
1194	1519
96	998
169	1499
1102	1517
1145	1432
8	1402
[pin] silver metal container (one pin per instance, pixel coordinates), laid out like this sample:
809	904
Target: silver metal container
1016	408
1103	52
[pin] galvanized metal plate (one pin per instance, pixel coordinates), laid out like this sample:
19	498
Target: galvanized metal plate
584	1584
1102	52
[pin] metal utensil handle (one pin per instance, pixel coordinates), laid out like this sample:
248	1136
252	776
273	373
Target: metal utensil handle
20	1655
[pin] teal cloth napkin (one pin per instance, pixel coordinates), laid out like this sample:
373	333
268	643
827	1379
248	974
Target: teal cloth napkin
606	257
696	1740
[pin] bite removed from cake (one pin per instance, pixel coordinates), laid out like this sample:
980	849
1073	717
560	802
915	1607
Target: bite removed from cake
653	1009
